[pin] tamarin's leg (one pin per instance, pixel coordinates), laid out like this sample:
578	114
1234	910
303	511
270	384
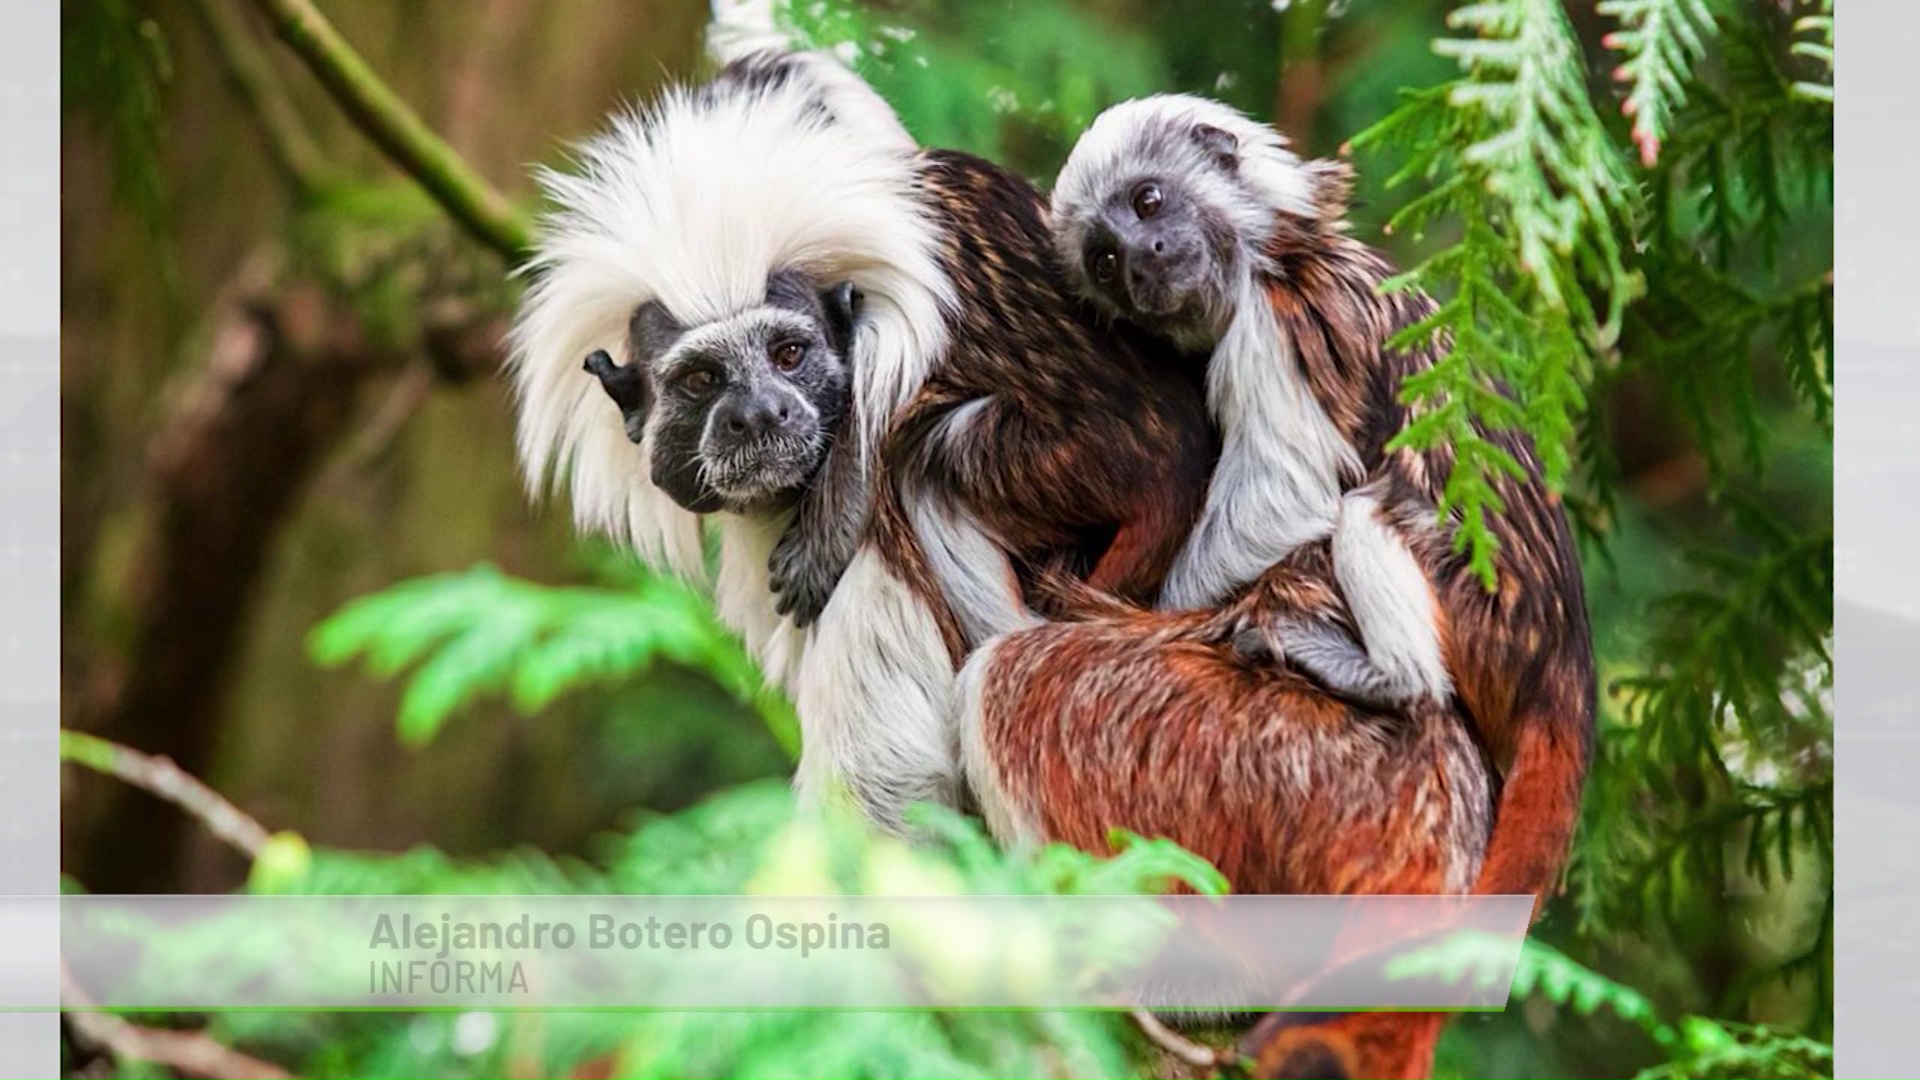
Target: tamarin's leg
1392	600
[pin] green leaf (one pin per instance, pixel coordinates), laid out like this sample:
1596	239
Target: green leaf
478	633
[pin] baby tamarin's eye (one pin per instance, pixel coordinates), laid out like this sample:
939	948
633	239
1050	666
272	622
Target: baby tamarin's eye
1105	265
1147	200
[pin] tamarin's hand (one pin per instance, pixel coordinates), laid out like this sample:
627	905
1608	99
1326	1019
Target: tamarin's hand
800	577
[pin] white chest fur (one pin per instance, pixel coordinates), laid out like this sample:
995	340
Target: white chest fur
1277	485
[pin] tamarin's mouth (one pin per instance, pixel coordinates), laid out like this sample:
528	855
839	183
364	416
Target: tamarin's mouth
1166	304
765	472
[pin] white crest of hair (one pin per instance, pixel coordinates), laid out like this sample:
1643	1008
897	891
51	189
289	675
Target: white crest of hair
1278	482
693	203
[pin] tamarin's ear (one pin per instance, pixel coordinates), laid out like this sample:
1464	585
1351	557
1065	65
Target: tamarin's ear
840	302
627	386
1332	188
1222	145
653	330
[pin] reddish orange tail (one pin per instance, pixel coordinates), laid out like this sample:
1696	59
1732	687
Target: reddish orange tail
1539	810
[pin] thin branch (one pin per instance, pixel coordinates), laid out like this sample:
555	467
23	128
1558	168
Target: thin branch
258	86
190	1053
484	212
409	393
1182	1049
160	776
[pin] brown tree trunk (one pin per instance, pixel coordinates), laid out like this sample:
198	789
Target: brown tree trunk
243	441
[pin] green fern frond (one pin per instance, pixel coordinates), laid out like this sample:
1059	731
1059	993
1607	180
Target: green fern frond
480	632
1552	975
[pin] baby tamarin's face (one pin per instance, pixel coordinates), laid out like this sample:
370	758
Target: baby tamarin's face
1152	240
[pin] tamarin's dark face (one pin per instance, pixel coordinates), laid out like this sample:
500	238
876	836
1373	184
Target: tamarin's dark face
737	414
1155	243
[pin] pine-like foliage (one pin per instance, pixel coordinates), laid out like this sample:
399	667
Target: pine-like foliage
1662	40
1696	1047
1512	155
1714	779
1696	272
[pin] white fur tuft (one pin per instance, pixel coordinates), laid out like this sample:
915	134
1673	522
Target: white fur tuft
972	569
874	698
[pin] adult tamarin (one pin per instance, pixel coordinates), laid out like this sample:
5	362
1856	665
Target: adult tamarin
784	207
724	259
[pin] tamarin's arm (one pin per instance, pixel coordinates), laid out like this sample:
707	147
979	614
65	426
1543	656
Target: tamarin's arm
1393	650
824	535
827	526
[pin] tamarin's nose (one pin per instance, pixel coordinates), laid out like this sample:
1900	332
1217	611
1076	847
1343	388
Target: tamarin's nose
755	416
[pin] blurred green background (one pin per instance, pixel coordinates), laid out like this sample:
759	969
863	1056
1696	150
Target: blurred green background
279	396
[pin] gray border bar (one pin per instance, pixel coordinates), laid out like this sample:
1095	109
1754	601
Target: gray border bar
29	489
30	492
1876	513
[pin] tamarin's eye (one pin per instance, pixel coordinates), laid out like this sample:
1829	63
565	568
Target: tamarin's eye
1105	265
699	382
1147	200
788	354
